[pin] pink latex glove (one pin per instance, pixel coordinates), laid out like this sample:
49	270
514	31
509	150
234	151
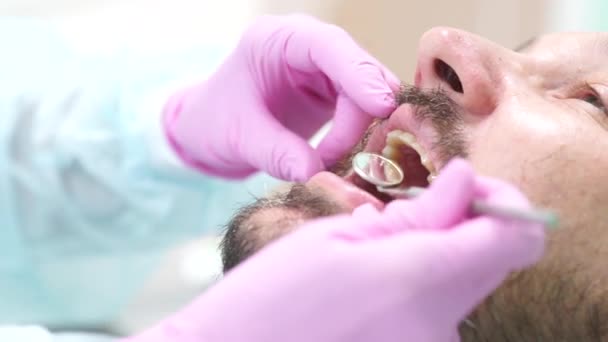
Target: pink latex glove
287	77
409	273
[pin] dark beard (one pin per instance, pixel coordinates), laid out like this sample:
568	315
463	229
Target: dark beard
246	234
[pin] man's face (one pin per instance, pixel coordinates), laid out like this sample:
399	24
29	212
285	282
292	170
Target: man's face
534	117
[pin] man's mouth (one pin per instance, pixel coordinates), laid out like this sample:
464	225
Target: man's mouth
403	148
396	144
420	136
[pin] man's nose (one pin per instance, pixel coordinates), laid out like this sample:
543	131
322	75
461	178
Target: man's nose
470	69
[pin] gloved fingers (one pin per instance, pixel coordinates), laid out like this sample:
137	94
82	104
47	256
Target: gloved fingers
456	336
449	196
445	203
279	152
478	255
461	266
368	225
485	244
498	191
316	47
349	124
364	211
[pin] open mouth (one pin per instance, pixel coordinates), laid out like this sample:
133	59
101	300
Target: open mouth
403	149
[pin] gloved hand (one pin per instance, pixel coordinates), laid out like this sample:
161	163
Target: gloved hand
411	272
286	78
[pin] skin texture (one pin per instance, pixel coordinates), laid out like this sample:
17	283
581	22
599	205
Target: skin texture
533	117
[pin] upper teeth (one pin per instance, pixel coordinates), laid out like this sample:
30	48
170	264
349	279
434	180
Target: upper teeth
397	138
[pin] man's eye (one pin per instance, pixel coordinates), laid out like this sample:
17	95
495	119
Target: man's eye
594	94
596	100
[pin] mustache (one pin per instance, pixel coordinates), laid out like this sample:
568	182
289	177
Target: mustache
445	116
430	105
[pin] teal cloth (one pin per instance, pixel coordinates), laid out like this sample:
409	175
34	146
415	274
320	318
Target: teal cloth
600	15
85	211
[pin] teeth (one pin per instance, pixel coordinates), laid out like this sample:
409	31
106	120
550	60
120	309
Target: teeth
392	152
394	139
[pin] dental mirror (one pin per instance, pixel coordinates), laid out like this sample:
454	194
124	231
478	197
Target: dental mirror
377	170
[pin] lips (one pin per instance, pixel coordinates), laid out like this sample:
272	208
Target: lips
346	193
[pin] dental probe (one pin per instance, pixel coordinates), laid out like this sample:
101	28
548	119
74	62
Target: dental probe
547	218
386	175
